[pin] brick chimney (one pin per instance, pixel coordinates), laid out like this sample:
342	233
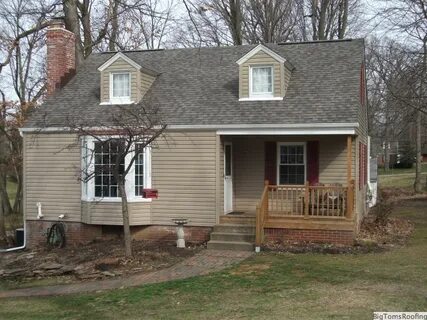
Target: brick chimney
61	55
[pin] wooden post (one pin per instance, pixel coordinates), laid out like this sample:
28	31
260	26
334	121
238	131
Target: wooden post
266	182
349	158
306	199
258	236
350	199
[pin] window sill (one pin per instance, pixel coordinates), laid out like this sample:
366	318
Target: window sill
116	200
111	103
261	99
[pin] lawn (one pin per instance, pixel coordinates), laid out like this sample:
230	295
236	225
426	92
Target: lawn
405	181
381	171
267	286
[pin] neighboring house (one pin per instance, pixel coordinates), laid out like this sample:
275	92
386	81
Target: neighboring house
293	114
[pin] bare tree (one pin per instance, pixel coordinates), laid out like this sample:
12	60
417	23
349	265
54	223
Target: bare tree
409	17
124	135
270	21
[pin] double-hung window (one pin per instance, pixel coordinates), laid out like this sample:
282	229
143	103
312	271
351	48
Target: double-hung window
291	163
261	81
99	162
120	89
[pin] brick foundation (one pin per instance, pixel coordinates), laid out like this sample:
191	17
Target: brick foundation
79	233
168	233
75	232
310	235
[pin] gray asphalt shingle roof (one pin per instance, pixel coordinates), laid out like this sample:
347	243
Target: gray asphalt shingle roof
200	87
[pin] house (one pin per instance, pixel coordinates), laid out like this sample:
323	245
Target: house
265	141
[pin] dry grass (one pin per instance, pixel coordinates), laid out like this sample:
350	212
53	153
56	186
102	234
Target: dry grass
266	286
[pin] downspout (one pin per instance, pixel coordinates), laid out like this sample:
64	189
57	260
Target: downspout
20	247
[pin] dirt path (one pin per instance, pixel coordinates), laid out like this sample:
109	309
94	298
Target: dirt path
204	262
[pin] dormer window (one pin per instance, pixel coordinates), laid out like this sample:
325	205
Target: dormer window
120	87
261	78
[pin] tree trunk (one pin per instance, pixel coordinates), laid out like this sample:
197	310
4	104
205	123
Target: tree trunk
114	4
386	157
72	24
125	214
236	21
2	224
418	185
343	19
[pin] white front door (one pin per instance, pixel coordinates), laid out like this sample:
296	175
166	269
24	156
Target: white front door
228	177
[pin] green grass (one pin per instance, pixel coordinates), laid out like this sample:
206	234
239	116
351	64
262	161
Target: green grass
11	190
399	181
382	171
267	286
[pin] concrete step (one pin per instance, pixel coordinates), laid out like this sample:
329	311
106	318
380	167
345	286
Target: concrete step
235	219
234	228
230	245
233	236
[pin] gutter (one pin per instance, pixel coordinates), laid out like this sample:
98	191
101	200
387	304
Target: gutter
296	126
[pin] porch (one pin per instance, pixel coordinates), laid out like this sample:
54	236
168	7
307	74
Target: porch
325	200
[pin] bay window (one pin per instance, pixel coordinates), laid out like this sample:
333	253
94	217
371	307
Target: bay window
99	161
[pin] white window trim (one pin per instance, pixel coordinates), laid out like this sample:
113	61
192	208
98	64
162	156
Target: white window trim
88	188
120	100
302	143
261	95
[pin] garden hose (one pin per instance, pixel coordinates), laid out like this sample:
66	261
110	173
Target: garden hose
56	236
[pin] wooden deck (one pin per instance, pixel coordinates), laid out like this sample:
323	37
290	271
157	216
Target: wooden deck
326	207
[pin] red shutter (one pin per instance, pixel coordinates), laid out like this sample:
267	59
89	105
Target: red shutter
365	155
313	162
270	169
363	165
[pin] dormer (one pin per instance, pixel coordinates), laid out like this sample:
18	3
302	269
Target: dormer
123	81
263	75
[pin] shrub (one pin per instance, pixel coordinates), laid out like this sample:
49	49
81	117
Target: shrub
382	209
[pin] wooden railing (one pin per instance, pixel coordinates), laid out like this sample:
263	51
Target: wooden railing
261	214
332	201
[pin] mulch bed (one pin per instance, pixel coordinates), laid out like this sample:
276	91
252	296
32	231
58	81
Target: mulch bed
99	259
372	238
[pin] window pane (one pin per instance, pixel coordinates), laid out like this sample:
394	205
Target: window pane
262	81
227	160
121	85
291	166
106	154
139	171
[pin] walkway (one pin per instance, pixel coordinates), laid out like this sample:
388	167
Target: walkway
202	263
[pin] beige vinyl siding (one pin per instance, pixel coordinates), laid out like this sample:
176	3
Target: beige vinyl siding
110	213
51	170
286	79
146	82
248	180
261	58
140	82
249	165
184	172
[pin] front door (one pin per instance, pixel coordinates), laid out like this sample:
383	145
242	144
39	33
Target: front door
228	177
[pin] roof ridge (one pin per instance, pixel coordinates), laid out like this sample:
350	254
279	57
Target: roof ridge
318	41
